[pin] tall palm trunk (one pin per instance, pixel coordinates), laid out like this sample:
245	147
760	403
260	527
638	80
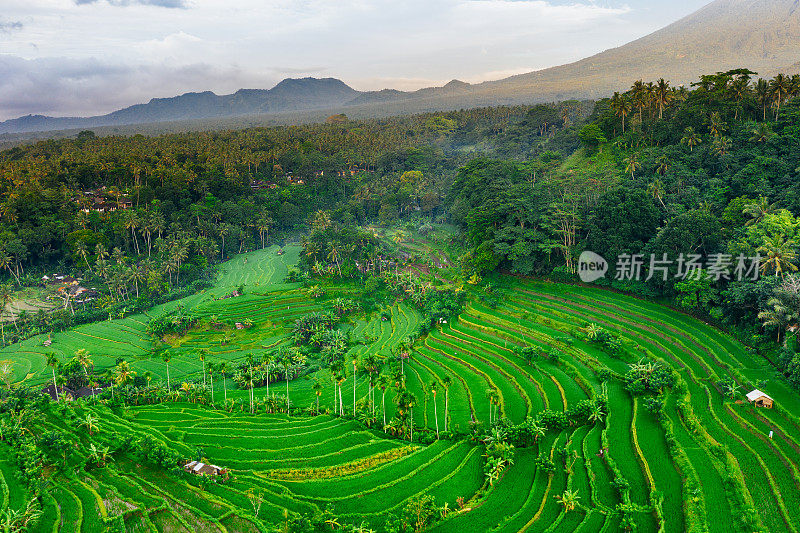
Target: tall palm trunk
287	392
446	398
225	387
383	408
436	416
168	385
212	389
55	385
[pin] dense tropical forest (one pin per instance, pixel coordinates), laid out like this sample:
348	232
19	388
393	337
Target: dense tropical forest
380	326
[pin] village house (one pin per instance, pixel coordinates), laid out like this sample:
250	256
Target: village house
759	399
197	468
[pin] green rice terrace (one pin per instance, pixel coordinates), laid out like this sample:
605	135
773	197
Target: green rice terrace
536	407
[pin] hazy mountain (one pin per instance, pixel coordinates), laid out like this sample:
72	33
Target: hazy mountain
288	95
763	35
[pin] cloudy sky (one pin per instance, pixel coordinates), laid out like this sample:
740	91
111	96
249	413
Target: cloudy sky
85	57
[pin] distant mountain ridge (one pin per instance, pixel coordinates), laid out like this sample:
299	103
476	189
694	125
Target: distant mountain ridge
762	35
288	95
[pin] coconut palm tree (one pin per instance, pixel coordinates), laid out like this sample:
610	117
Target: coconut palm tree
716	126
622	107
52	362
263	225
780	255
355	370
6	296
287	360
779	88
632	164
656	190
763	96
267	360
493	397
722	146
166	356
83	253
446	381
778	315
211	369
759	210
124	374
383	384
663	96
762	133
317	388
690	138
569	499
434	388
202	355
84	360
223	370
593	331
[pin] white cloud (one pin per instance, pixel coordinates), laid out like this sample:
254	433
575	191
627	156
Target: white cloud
105	54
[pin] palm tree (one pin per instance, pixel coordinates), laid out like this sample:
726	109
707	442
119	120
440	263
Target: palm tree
779	87
124	374
383	384
83	252
84	360
355	369
223	369
663	96
249	384
690	138
52	362
287	360
569	499
334	256
90	423
596	413
762	133
780	254
317	388
763	95
632	164
639	92
433	389
166	356
6	296
622	107
263	225
211	369
758	210
656	190
267	361
593	331
722	146
492	396
778	316
716	126
202	354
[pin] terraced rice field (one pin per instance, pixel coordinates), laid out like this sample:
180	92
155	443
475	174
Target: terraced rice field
705	464
261	272
270	454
